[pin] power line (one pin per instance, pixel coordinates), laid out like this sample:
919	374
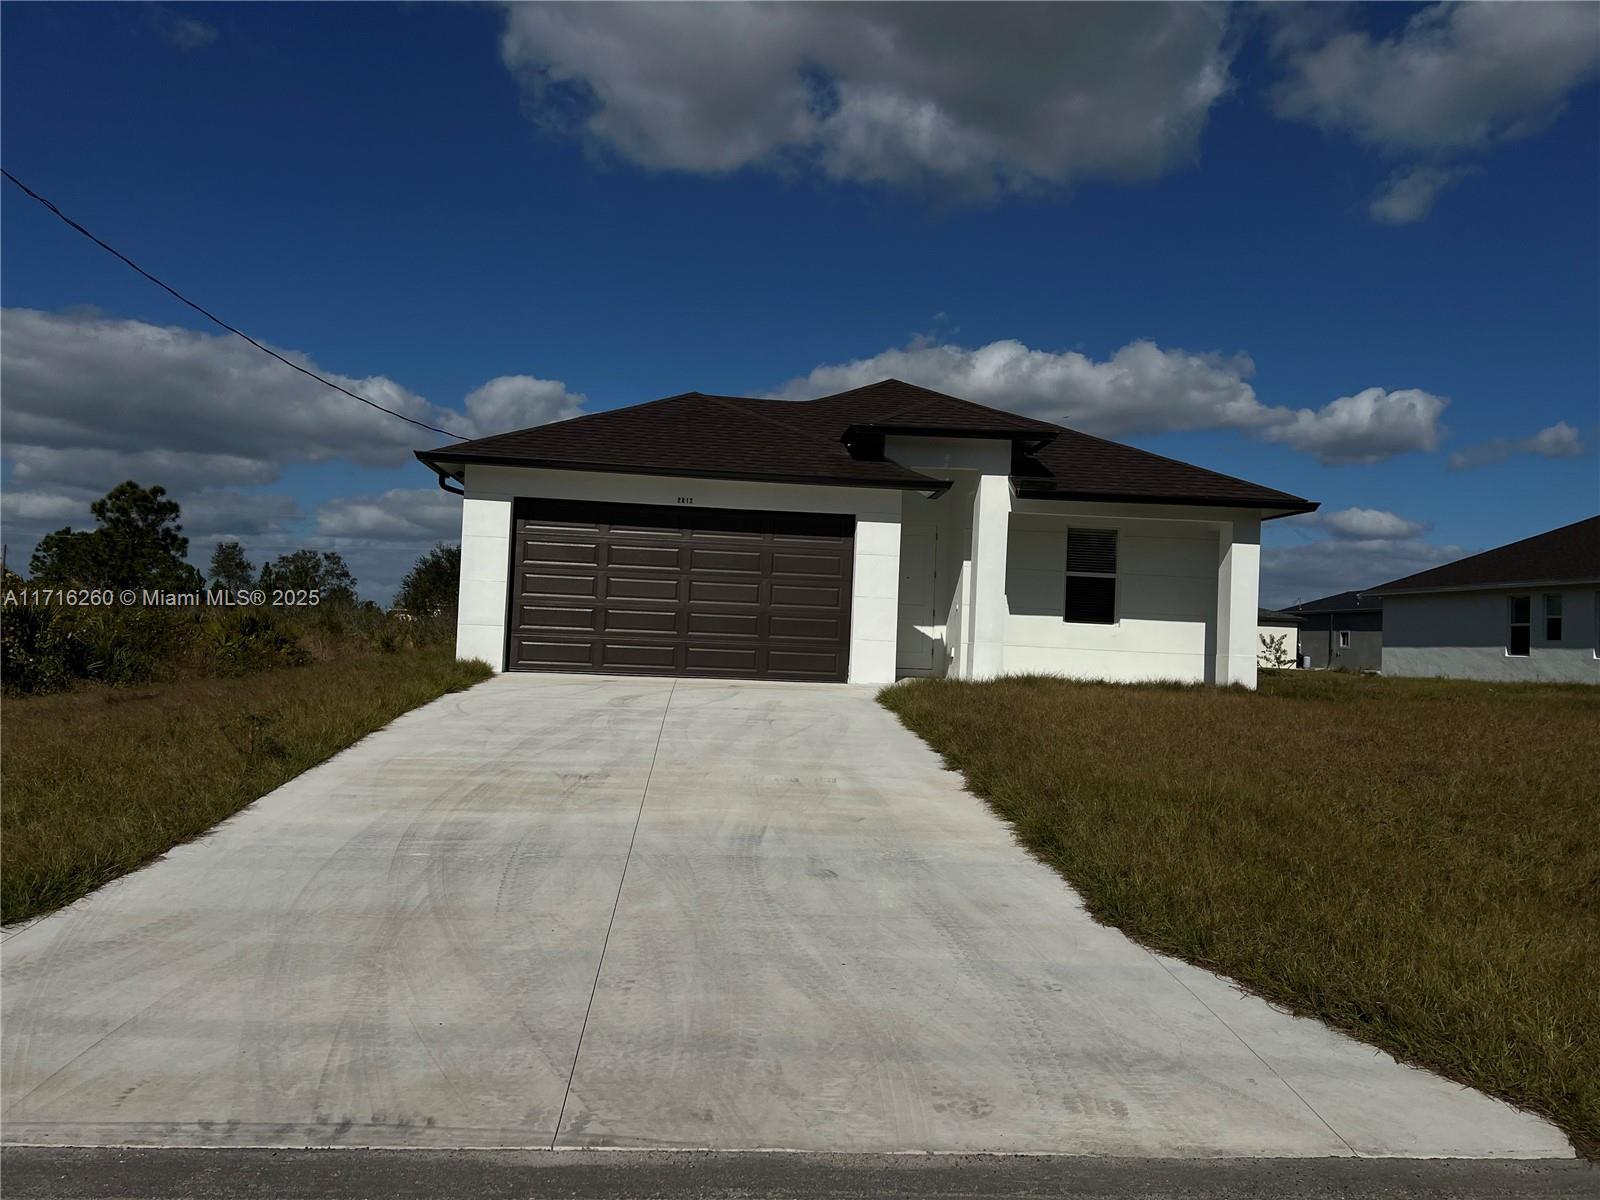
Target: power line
166	287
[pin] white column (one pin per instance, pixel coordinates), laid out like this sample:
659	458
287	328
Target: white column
485	561
875	591
986	622
1238	587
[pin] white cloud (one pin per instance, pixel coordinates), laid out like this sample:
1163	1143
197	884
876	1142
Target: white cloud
1409	193
958	97
1296	573
519	401
1318	554
93	400
1454	77
421	515
1144	388
1368	427
45	510
1554	441
1363	524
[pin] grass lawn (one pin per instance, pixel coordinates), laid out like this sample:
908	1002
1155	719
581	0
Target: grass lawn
1414	861
99	781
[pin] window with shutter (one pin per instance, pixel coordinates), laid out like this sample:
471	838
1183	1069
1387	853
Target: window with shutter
1091	577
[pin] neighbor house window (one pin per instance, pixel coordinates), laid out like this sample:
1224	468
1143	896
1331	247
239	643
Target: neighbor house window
1092	576
1552	617
1344	639
1518	636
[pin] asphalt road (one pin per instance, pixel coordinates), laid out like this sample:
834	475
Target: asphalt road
198	1174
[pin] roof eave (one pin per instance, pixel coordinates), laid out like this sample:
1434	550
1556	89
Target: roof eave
437	460
1277	508
1501	585
1038	438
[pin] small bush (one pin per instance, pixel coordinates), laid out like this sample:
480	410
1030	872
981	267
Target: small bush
48	649
37	651
246	640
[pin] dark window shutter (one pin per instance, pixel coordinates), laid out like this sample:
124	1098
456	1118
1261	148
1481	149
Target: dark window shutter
1091	600
1092	550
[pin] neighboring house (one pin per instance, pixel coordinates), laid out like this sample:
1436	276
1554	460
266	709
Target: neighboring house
1343	632
1528	611
1271	626
878	533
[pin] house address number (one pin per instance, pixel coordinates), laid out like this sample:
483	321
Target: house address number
685	499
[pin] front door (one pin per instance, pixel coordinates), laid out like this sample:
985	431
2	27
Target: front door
918	631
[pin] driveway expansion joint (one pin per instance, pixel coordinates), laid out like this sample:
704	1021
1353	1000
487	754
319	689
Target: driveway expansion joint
622	879
1255	1053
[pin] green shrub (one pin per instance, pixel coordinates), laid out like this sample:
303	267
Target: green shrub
47	649
244	640
37	651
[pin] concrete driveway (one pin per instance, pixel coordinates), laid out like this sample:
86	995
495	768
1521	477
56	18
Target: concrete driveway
576	911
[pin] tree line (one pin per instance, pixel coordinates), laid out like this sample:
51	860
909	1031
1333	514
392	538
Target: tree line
138	542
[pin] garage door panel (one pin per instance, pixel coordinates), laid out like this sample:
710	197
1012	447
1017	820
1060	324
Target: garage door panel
667	591
719	591
639	656
793	595
660	620
634	554
803	663
541	584
558	656
809	629
644	587
821	566
746	562
722	660
740	625
585	553
534	616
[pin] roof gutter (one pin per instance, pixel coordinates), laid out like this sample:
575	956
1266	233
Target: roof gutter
444	476
431	459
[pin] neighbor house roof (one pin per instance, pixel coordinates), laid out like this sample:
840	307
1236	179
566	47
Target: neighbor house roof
1340	602
838	440
1570	554
1269	616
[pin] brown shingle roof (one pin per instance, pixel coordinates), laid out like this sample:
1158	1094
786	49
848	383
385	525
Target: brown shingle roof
1570	554
742	437
1078	466
893	405
691	434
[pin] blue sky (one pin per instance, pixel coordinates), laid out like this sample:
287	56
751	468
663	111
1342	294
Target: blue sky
1349	252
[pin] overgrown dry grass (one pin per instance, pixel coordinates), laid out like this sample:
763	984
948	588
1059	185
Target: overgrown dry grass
1416	862
101	780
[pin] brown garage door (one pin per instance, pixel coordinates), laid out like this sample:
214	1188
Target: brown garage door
644	590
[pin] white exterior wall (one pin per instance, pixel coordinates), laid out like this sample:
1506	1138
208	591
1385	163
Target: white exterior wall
1291	641
1462	635
1167	590
486	546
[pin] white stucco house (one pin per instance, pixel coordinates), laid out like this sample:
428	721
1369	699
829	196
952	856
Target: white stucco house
1526	611
878	533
